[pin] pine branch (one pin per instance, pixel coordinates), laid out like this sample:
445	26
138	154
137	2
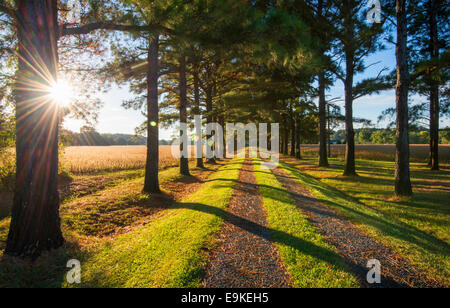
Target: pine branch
373	85
430	66
86	29
4	8
336	72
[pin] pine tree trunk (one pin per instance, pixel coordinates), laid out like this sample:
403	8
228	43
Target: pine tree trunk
329	132
35	222
293	136
198	111
286	144
349	169
151	184
223	125
402	172
434	128
434	88
323	159
184	161
209	117
283	133
286	136
299	141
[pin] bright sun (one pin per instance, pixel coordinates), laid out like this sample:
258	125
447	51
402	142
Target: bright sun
62	93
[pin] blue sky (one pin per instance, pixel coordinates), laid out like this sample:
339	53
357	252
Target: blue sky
114	118
370	107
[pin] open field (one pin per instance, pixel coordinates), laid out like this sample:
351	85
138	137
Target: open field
95	159
81	160
419	152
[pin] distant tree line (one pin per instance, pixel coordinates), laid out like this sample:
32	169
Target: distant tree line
387	136
90	137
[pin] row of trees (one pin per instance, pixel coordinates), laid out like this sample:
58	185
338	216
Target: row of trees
345	40
230	61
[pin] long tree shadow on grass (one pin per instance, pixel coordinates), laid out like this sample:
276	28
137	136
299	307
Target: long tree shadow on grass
48	271
276	236
391	227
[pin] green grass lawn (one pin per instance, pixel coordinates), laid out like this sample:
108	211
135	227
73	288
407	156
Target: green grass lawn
416	227
311	262
102	209
119	206
171	250
86	222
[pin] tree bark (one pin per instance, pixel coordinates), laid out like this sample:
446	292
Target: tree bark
35	222
197	109
350	169
210	116
286	136
299	140
282	134
222	121
434	87
323	159
184	161
402	172
329	132
293	136
151	184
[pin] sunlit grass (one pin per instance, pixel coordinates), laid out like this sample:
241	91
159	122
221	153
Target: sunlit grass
417	227
92	223
167	252
310	261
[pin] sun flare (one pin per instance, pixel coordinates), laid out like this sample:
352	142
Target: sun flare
62	93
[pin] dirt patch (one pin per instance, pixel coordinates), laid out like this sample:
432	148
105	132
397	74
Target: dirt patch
245	257
80	186
121	208
356	247
145	210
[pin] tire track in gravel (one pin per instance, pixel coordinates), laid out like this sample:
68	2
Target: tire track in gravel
356	247
245	257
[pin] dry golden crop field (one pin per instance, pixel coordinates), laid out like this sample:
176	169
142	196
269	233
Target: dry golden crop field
419	152
111	158
80	160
